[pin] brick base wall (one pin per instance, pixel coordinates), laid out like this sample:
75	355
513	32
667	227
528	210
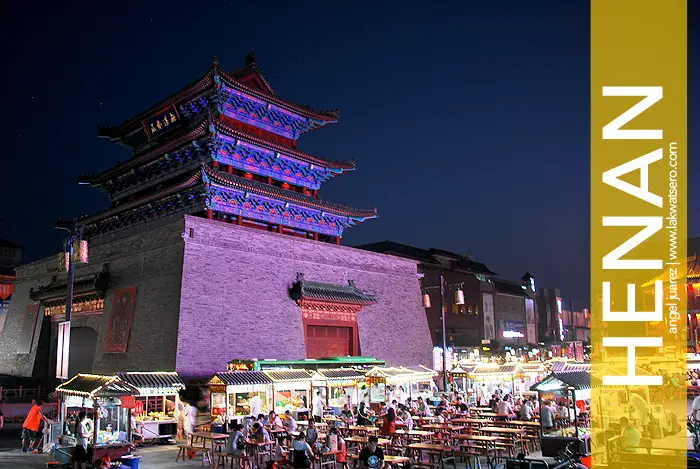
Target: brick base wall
235	301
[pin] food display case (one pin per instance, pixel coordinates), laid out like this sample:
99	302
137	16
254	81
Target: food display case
291	391
156	406
101	397
416	381
341	387
231	393
508	377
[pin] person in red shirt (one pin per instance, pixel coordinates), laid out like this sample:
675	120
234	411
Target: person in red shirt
30	427
389	423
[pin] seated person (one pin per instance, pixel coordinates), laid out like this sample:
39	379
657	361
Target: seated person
372	456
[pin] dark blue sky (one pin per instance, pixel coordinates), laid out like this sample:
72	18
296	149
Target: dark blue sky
469	121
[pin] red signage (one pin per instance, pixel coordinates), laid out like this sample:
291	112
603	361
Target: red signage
120	319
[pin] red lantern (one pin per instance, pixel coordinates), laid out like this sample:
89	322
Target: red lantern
285	185
248	176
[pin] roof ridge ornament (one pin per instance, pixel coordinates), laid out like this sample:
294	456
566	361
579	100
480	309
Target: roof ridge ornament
250	57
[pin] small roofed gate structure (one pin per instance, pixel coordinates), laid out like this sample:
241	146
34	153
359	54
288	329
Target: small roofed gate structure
102	398
572	390
329	316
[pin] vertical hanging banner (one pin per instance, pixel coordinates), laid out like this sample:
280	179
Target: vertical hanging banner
638	231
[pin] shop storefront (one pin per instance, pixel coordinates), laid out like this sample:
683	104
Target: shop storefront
533	373
101	397
572	392
236	394
156	406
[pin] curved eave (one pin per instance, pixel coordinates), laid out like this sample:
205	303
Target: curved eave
118	132
336	167
199	129
364	302
190	181
229	180
321	118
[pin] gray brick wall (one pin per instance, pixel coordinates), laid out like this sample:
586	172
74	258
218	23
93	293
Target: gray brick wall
235	303
151	260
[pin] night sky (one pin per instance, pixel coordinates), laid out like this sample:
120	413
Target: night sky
469	122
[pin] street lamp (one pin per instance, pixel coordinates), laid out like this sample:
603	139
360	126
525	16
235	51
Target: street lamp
74	238
459	298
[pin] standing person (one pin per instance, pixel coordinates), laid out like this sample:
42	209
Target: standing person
289	423
255	405
526	411
30	427
190	419
317	404
362	415
81	438
2	419
546	416
372	456
302	452
389	423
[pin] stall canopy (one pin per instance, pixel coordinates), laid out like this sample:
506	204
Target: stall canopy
94	386
492	371
342	375
154	383
532	368
240	378
577	380
402	374
286	376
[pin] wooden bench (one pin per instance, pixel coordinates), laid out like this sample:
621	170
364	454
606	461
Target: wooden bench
187	450
243	460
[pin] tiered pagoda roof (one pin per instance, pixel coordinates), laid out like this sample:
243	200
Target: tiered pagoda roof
223	147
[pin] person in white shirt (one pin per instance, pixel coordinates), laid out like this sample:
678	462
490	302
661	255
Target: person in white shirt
255	405
81	439
274	421
504	406
422	407
317	407
407	419
526	411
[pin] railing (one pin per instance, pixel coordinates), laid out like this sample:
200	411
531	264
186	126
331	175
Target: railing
13	393
16	412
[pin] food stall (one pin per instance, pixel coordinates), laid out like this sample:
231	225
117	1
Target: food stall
533	372
230	393
291	390
509	378
572	389
101	397
341	386
156	406
414	381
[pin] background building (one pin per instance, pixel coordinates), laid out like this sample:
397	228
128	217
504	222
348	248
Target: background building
497	313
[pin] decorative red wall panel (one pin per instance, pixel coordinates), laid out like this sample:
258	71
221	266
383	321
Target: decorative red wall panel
120	319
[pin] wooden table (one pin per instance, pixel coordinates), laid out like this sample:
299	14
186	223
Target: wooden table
485	439
521	423
469	421
418	448
362	429
421	435
513	433
444	428
395	460
362	440
207	436
259	449
488	414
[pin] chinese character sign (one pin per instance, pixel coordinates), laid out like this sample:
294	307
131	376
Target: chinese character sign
159	123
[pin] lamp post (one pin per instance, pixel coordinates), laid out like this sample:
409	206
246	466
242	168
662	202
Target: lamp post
441	288
62	355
